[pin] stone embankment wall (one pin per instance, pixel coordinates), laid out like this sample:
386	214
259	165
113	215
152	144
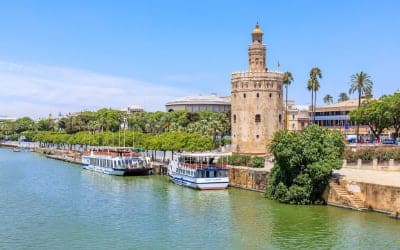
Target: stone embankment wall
59	154
375	197
255	179
390	165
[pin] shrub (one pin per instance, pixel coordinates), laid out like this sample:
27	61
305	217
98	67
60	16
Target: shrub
257	162
303	164
246	160
367	154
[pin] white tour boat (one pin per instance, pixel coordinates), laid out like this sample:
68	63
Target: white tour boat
117	162
200	170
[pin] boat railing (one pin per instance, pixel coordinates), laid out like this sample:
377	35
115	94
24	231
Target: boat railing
111	153
202	166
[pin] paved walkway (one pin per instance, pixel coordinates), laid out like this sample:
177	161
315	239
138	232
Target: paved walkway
387	178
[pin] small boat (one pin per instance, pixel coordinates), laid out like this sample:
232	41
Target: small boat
16	150
117	162
204	171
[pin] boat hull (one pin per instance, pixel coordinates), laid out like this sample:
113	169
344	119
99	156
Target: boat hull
201	183
119	172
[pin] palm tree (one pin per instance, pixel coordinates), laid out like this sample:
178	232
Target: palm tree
360	82
287	80
343	97
313	86
328	99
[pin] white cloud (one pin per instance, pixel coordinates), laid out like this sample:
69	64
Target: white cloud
37	90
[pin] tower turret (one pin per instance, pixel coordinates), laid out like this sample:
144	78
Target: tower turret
257	51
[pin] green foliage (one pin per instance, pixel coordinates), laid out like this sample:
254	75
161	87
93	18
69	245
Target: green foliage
369	153
182	129
45	125
23	124
375	114
343	97
246	160
303	164
238	160
171	141
257	162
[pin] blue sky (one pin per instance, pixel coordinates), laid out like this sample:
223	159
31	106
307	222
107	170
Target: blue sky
60	56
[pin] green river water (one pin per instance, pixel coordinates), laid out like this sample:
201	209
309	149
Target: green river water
47	204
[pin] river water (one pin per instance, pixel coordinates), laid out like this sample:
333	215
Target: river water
47	204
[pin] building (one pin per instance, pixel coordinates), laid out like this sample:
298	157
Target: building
256	101
133	109
200	103
337	116
4	118
298	117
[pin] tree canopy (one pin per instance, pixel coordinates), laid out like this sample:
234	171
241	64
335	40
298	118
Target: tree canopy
303	164
379	114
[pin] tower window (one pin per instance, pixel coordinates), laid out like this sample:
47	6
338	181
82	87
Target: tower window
270	95
257	136
258	118
258	95
244	95
280	118
234	118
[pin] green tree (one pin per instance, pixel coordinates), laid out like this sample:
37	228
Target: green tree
287	80
328	99
393	109
362	84
343	97
24	124
375	114
303	164
313	86
45	125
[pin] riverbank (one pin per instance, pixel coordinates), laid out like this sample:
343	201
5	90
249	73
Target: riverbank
357	189
74	208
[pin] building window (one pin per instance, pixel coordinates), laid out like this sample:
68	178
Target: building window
292	117
244	95
270	95
234	118
258	95
257	136
280	118
258	118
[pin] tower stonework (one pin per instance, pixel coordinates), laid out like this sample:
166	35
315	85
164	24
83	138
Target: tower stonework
256	102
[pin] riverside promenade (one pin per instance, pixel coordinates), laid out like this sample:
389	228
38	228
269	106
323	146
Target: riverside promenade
385	178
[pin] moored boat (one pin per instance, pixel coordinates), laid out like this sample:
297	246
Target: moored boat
204	171
117	162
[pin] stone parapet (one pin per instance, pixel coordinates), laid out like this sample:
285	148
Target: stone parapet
390	165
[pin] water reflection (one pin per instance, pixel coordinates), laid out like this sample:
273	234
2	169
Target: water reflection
79	208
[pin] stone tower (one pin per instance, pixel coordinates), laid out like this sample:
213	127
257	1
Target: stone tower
256	101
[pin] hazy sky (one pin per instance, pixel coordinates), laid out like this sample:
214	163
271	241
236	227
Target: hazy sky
66	56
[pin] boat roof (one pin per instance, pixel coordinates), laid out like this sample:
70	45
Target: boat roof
204	154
